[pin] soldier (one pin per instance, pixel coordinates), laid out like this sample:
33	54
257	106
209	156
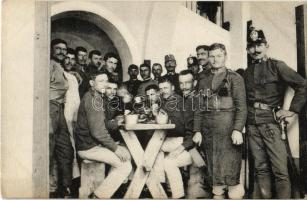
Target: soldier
82	70
170	65
60	147
266	80
133	83
219	123
147	80
94	142
157	71
202	52
95	61
193	66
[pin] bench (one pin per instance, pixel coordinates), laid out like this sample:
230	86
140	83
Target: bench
92	175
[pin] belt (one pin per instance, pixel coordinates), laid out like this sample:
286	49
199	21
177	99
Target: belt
261	106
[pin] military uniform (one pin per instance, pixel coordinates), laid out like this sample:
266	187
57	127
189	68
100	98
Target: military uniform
266	82
222	110
133	86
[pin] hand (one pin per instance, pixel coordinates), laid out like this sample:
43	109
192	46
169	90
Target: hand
236	137
282	114
155	109
120	120
122	153
197	138
174	154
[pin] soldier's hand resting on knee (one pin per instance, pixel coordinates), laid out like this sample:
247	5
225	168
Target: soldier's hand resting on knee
122	153
197	138
237	137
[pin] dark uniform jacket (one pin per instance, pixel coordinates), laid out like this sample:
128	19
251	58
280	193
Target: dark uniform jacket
174	78
133	86
189	106
113	107
266	82
91	129
235	100
174	106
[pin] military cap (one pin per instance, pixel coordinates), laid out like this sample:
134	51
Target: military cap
169	57
255	36
192	60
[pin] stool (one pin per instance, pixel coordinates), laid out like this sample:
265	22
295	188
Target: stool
92	175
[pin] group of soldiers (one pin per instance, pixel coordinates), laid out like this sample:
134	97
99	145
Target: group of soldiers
209	104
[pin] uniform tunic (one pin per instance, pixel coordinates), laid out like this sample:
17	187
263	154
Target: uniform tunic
219	114
266	81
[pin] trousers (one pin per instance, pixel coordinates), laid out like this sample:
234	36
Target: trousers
117	175
172	165
60	149
270	155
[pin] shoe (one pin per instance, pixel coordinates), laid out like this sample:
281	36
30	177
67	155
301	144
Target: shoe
93	196
66	193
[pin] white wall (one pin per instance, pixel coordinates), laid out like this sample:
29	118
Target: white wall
17	98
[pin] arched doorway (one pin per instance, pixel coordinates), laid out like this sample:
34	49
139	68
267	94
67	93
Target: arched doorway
113	32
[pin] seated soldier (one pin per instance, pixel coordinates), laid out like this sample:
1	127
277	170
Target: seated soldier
93	141
114	110
175	145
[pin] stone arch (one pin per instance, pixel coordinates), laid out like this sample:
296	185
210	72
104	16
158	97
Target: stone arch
110	24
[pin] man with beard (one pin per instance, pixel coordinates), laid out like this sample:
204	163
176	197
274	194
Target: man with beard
219	123
157	71
60	147
133	83
147	80
193	66
82	70
95	61
202	52
266	81
170	65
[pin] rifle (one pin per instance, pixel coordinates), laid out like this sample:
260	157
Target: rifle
294	172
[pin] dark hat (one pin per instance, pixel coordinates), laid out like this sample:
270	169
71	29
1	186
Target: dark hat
192	60
169	57
255	36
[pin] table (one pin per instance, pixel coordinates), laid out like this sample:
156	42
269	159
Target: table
145	159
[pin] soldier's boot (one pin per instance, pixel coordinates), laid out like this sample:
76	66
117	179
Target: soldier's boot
265	187
218	192
236	191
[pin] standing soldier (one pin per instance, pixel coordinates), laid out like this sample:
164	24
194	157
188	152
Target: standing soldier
266	80
219	123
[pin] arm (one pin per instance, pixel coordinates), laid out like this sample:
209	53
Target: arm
95	117
297	82
239	98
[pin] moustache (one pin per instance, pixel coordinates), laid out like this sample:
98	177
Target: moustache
256	53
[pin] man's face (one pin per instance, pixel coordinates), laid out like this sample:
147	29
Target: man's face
81	57
170	65
157	70
186	83
202	56
96	60
217	58
145	72
166	89
59	51
111	90
69	61
100	83
111	64
194	68
152	95
133	73
258	51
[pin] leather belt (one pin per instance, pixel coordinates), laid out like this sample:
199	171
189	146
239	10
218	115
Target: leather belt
261	106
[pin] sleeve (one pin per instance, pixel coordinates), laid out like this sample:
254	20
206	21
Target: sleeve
111	124
239	98
297	82
188	141
96	121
